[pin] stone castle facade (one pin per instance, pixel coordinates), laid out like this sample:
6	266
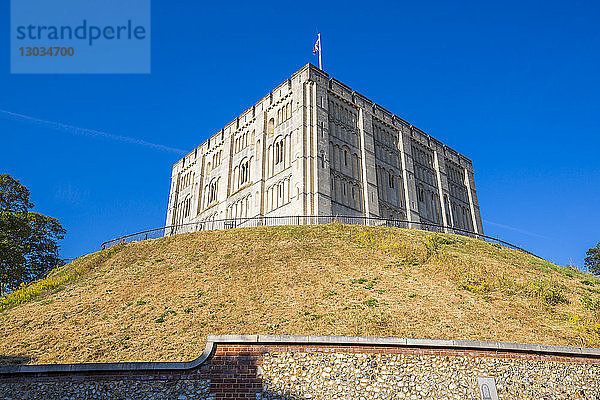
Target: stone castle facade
315	147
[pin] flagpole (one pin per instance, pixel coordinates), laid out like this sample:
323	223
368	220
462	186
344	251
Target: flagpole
320	65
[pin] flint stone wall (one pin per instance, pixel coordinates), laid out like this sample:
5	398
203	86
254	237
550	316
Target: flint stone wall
313	367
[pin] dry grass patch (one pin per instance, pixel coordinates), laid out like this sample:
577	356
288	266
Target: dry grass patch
157	300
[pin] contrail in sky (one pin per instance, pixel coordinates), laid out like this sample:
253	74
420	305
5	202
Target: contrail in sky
512	228
90	132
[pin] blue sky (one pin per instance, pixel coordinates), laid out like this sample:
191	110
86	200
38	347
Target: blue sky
512	85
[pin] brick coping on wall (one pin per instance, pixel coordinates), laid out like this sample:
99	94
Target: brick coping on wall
286	340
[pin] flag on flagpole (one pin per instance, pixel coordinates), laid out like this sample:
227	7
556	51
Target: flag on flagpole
318	48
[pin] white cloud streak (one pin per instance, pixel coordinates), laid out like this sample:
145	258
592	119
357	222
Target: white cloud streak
89	132
512	228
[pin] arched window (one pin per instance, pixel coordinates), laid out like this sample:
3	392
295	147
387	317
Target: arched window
288	189
420	193
271	126
248	164
279	151
212	191
244	172
331	155
356	165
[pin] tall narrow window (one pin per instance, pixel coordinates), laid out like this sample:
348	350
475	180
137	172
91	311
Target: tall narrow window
279	151
244	173
212	192
271	126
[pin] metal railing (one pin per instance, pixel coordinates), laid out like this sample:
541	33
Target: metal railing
230	223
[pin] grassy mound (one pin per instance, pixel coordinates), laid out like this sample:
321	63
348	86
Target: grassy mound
157	300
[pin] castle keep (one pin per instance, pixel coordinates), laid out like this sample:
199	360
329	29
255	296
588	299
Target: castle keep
315	147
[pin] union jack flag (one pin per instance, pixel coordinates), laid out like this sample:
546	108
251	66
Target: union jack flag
317	46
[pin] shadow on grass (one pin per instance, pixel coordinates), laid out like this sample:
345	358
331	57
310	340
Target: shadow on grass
14	359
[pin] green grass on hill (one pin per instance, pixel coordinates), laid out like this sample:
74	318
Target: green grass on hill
157	300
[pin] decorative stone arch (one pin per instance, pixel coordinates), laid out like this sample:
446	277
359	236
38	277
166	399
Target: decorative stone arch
346	157
212	191
243	171
288	189
271	126
344	183
355	166
420	193
250	165
234	177
273	197
279	149
391	178
338	157
287	159
331	155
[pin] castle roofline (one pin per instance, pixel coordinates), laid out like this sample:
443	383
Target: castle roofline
355	96
312	68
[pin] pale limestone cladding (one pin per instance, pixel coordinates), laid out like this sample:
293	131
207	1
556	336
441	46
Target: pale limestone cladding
315	147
